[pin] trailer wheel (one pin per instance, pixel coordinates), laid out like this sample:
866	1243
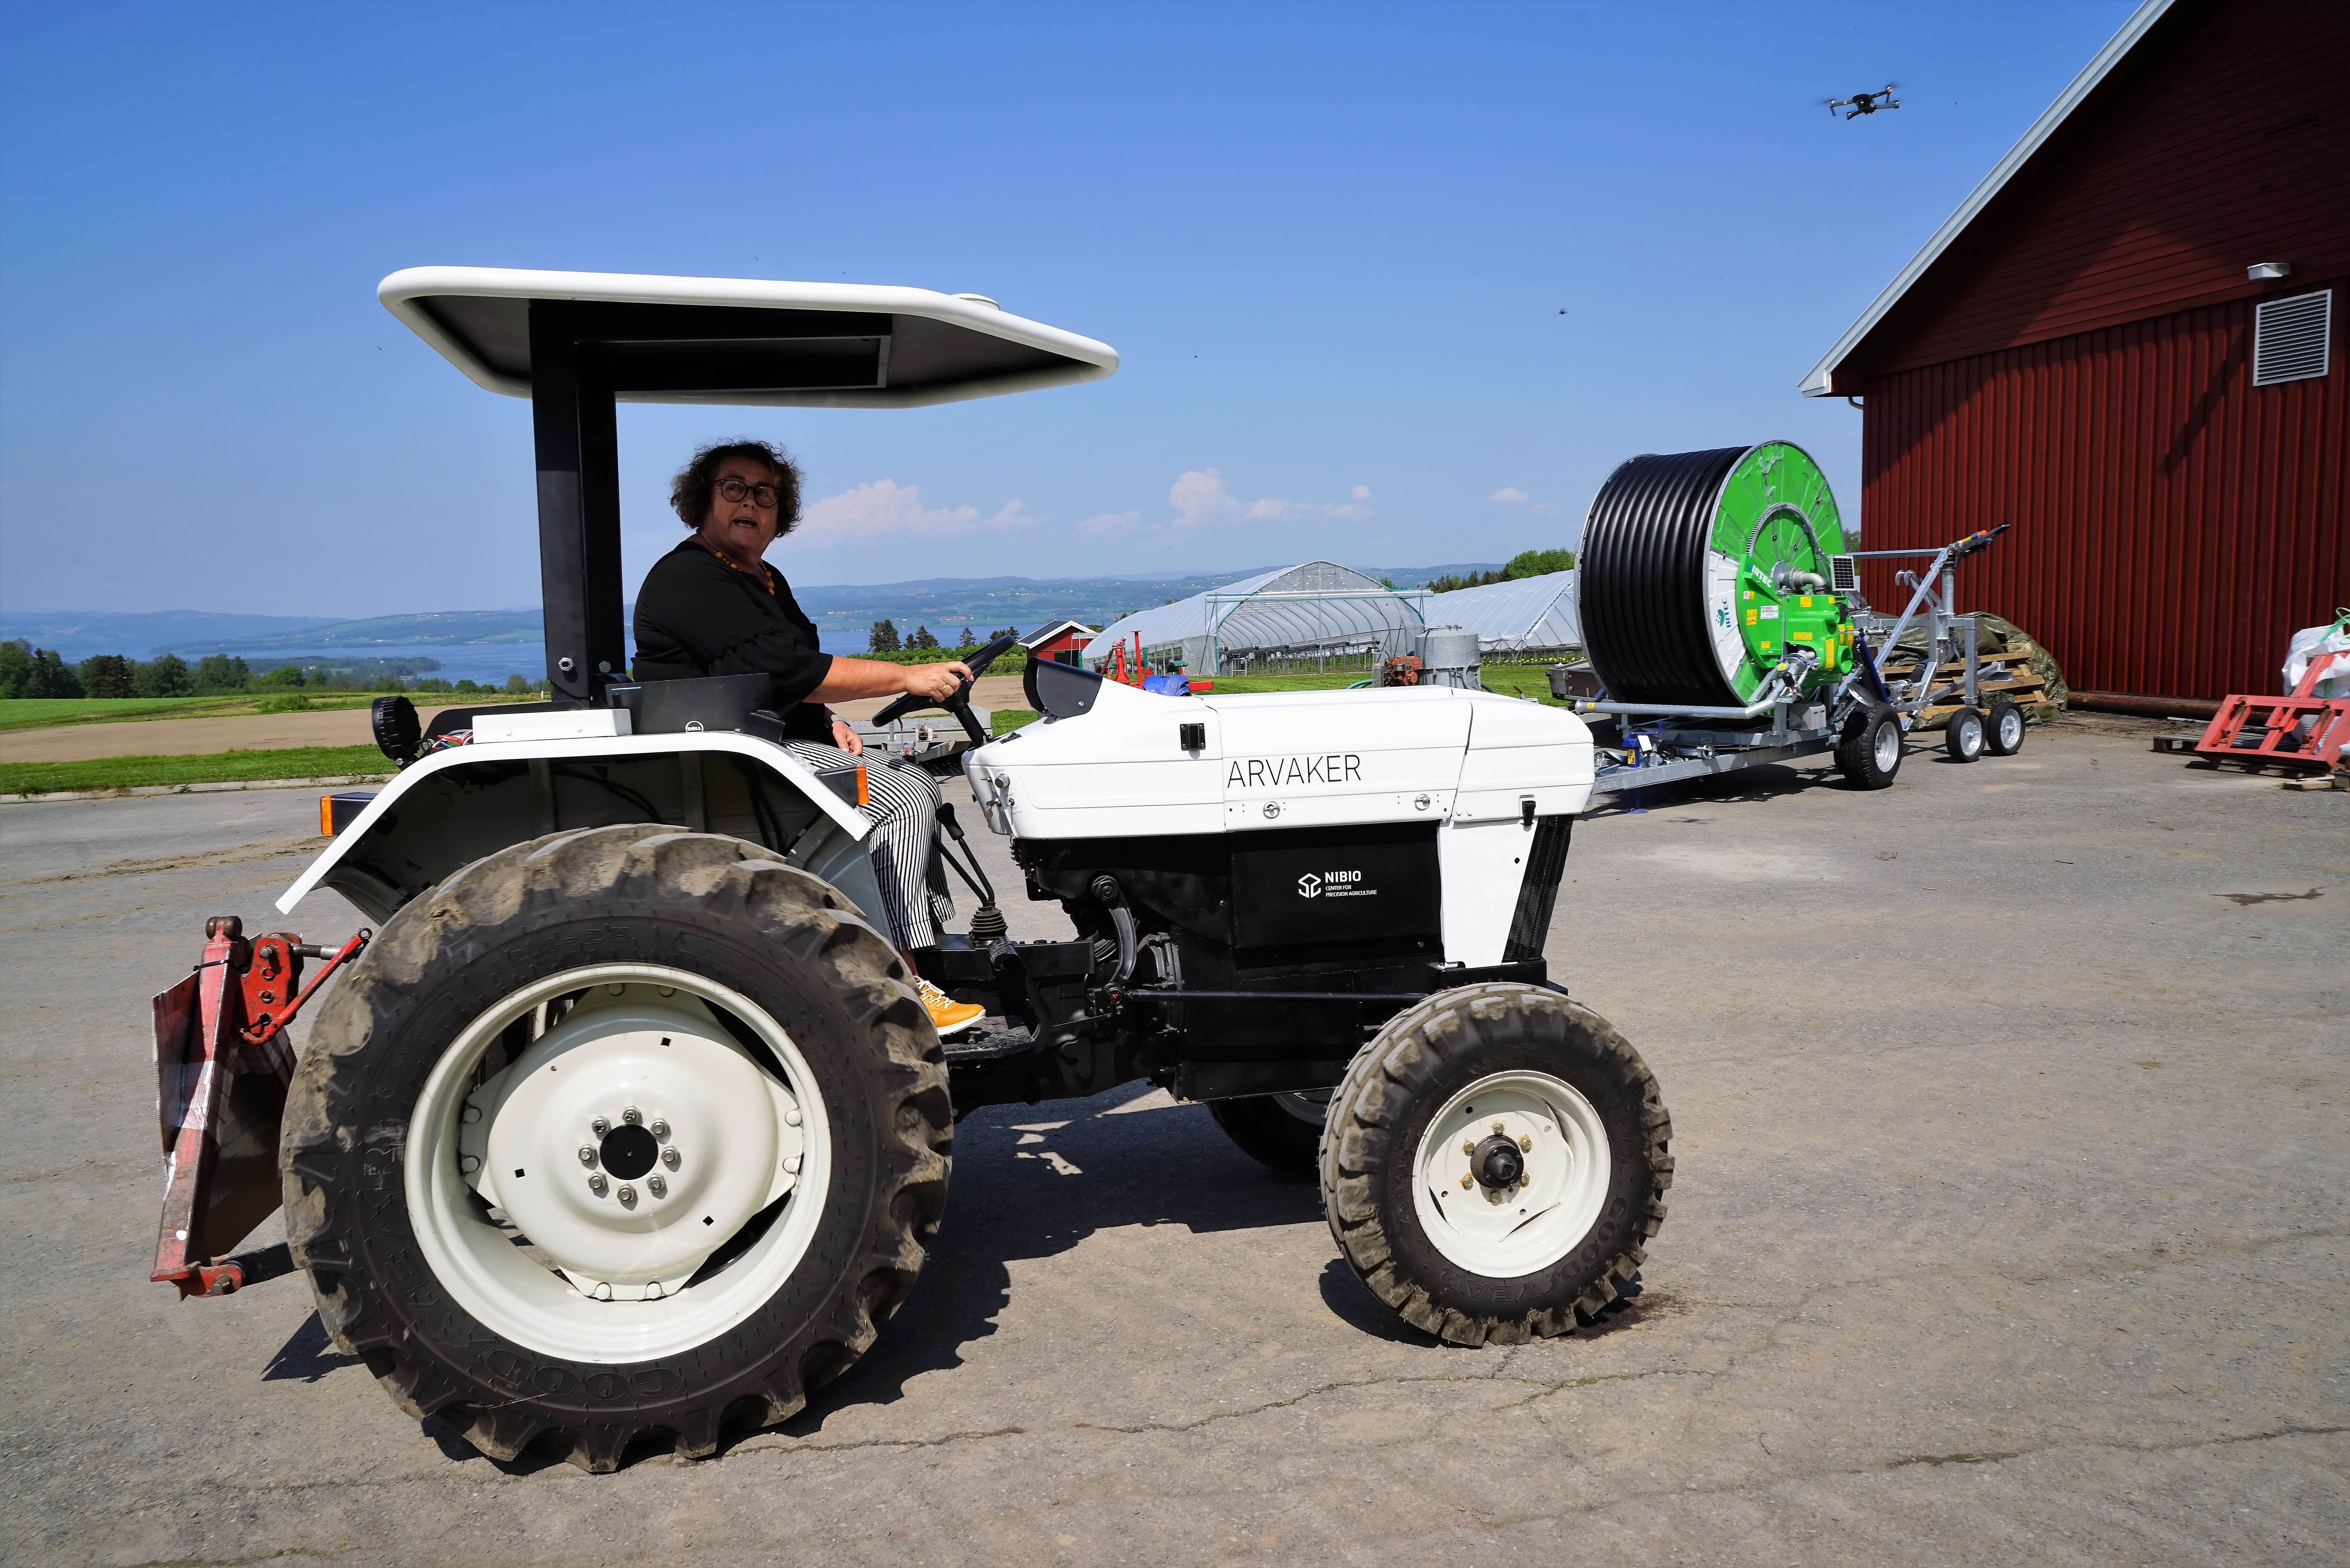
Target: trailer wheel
2004	729
1963	739
1870	752
1281	1132
1495	1163
617	1140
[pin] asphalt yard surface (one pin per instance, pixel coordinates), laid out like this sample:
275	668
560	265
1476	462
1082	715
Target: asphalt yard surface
2008	1227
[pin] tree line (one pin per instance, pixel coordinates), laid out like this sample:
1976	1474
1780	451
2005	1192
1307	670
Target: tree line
30	671
1524	564
884	638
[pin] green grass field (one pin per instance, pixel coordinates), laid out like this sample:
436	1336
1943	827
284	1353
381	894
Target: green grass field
324	762
42	712
220	767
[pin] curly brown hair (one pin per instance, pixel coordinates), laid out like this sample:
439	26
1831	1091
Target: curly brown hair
697	481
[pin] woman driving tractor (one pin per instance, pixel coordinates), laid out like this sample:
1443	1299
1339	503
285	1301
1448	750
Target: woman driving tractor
713	607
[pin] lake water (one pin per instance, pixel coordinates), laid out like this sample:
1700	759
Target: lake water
489	663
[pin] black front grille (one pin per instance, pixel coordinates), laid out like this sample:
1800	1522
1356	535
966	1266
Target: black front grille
1538	894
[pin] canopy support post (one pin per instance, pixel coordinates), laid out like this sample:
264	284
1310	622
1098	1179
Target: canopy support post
575	429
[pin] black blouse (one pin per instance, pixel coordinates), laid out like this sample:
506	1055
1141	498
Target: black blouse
699	615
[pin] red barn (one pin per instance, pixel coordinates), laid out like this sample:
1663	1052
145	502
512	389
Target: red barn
1063	640
2127	343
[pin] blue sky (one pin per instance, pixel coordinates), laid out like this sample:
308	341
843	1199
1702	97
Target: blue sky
1331	242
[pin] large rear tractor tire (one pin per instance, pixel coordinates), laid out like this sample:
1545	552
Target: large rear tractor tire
1495	1163
614	1141
1280	1132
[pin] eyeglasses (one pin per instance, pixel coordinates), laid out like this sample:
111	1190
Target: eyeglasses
737	490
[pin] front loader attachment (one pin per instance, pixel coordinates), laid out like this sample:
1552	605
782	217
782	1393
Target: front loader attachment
222	1069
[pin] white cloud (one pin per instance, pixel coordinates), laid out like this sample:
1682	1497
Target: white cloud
1111	522
882	508
1201	499
1509	496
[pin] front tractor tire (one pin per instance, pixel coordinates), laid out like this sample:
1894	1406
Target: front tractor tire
615	1141
1495	1163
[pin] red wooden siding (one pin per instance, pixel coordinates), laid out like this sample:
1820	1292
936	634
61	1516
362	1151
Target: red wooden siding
2173	523
2222	140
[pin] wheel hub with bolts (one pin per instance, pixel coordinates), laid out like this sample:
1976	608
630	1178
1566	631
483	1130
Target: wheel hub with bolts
1499	1164
674	1135
1513	1171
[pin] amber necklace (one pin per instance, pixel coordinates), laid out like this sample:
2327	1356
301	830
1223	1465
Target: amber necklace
767	574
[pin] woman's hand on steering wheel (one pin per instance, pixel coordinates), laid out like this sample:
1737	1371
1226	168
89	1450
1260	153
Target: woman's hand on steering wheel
936	682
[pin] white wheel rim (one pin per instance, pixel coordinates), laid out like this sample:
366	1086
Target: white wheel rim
642	1037
1505	1234
2011	729
1970	736
1887	746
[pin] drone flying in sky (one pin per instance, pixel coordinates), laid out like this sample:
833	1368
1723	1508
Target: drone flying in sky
1862	103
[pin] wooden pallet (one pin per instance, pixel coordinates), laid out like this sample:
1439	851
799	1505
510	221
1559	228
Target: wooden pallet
2023	689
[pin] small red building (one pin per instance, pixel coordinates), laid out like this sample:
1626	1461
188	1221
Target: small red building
1062	641
2127	343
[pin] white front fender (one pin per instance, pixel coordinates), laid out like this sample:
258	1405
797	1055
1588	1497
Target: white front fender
760	753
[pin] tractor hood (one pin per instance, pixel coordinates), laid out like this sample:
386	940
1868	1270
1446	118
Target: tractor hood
1138	764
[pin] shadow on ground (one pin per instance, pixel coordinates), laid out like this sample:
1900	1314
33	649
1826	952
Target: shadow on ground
1008	1203
1766	781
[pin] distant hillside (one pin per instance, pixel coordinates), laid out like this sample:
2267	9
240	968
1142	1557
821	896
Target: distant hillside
984	604
452	627
945	605
78	634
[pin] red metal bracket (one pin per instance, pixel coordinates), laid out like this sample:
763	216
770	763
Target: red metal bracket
2320	745
221	1085
277	971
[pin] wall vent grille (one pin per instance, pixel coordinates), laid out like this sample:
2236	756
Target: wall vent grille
2290	338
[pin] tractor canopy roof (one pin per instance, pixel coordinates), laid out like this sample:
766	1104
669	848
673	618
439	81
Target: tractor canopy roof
736	340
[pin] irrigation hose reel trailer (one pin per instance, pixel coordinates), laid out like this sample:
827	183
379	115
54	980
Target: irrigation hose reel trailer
1726	626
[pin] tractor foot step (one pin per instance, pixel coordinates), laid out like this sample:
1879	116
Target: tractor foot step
985	1045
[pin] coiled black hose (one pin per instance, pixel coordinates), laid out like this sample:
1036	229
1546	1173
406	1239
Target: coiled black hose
1642	587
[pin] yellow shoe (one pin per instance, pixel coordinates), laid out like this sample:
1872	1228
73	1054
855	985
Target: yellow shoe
950	1016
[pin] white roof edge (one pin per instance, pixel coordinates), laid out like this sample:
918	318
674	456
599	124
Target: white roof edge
1050	627
1815	384
401	291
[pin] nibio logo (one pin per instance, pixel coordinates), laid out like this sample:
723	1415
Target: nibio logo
1309	886
1338	884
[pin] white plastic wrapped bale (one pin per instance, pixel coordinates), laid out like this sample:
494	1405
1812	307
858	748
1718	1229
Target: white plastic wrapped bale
2310	644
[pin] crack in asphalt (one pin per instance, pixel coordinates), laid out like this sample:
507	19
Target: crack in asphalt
275	848
1916	1461
1489	1522
2165	1255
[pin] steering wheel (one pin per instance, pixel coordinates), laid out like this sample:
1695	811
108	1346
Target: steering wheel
959	705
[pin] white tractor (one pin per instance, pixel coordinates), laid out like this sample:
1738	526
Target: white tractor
628	1128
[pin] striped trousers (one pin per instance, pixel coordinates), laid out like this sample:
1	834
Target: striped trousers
902	804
